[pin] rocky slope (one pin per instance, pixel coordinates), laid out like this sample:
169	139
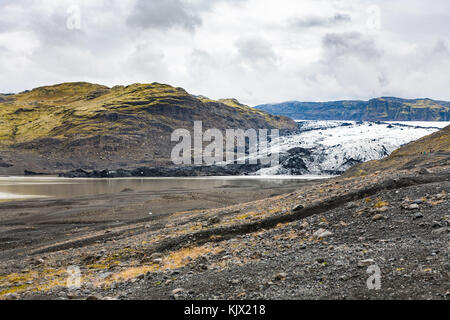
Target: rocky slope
318	242
74	125
379	109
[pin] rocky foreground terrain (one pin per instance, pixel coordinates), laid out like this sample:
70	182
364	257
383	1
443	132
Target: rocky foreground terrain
317	242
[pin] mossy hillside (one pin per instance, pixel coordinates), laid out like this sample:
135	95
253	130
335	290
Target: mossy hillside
90	121
76	108
85	109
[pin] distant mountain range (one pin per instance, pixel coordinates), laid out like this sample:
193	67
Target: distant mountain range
379	109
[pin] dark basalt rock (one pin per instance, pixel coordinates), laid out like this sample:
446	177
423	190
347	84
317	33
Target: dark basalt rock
296	165
5	164
32	173
299	151
188	171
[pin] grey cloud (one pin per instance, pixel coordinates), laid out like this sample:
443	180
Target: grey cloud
316	21
351	62
167	14
441	48
350	44
49	26
52	29
200	58
149	59
342	17
163	14
256	49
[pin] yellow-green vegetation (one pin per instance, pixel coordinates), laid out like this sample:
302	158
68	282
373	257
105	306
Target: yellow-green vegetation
45	279
83	109
79	120
274	120
380	204
34	280
425	103
173	260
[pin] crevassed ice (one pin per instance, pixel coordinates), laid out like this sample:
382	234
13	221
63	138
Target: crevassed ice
337	145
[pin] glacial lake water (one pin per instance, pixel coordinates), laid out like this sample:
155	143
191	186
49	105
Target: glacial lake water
21	188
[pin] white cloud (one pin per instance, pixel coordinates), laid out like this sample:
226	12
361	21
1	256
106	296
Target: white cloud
255	50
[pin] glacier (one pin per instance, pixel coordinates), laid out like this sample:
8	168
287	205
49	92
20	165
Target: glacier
331	147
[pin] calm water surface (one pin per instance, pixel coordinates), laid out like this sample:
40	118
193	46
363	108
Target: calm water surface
17	188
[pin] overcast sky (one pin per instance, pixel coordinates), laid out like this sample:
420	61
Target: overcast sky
257	51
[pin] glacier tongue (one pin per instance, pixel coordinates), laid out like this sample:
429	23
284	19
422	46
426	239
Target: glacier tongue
331	147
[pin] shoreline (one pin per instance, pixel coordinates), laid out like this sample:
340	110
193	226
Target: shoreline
249	177
121	184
